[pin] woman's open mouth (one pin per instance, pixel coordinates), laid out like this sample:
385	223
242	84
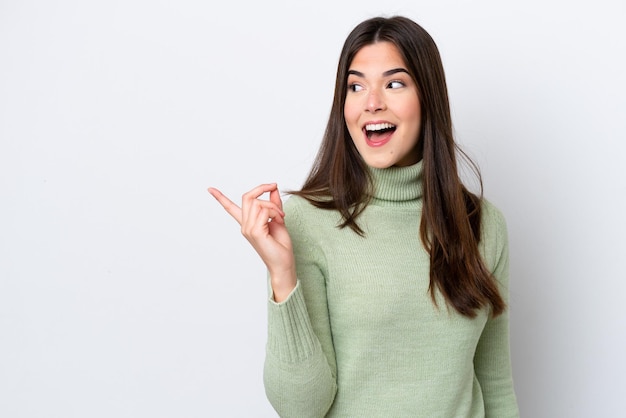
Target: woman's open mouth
378	134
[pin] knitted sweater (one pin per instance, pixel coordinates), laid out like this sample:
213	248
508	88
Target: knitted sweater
360	336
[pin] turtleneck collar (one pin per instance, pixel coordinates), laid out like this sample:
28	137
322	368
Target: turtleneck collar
397	184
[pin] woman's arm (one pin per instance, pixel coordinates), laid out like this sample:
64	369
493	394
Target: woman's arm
492	361
300	368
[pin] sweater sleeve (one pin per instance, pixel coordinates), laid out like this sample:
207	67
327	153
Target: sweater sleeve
300	368
492	361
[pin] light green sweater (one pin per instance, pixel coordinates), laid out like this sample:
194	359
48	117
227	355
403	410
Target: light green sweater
360	336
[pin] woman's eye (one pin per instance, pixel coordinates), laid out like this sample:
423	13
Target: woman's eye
395	84
355	87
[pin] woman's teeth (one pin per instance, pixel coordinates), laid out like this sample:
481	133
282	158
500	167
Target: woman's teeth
379	127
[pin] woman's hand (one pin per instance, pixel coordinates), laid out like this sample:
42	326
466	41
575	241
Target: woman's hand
262	223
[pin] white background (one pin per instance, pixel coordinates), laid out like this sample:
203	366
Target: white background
126	291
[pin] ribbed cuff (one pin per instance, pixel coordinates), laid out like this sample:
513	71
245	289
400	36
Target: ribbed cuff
290	335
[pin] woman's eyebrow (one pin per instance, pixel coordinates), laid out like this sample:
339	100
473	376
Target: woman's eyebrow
394	71
385	74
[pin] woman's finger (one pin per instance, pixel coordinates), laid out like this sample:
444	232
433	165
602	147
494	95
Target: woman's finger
227	204
250	200
259	190
262	224
255	193
257	215
275	198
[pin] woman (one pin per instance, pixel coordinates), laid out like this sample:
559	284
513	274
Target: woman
388	277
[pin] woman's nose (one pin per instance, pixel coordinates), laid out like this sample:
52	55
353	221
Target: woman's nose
375	101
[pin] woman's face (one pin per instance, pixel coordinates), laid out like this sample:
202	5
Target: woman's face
382	108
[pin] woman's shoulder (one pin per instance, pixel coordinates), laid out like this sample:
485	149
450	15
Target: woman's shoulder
294	203
296	207
494	236
491	214
303	215
302	206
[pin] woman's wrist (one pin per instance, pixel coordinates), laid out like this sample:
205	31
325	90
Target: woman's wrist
282	284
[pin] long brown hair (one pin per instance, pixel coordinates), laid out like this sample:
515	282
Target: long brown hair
450	225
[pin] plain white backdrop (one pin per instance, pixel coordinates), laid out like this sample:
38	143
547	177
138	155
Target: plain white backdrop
126	291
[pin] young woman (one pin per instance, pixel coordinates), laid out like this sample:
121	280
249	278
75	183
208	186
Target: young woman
388	277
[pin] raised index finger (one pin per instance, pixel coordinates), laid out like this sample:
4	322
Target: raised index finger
227	204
